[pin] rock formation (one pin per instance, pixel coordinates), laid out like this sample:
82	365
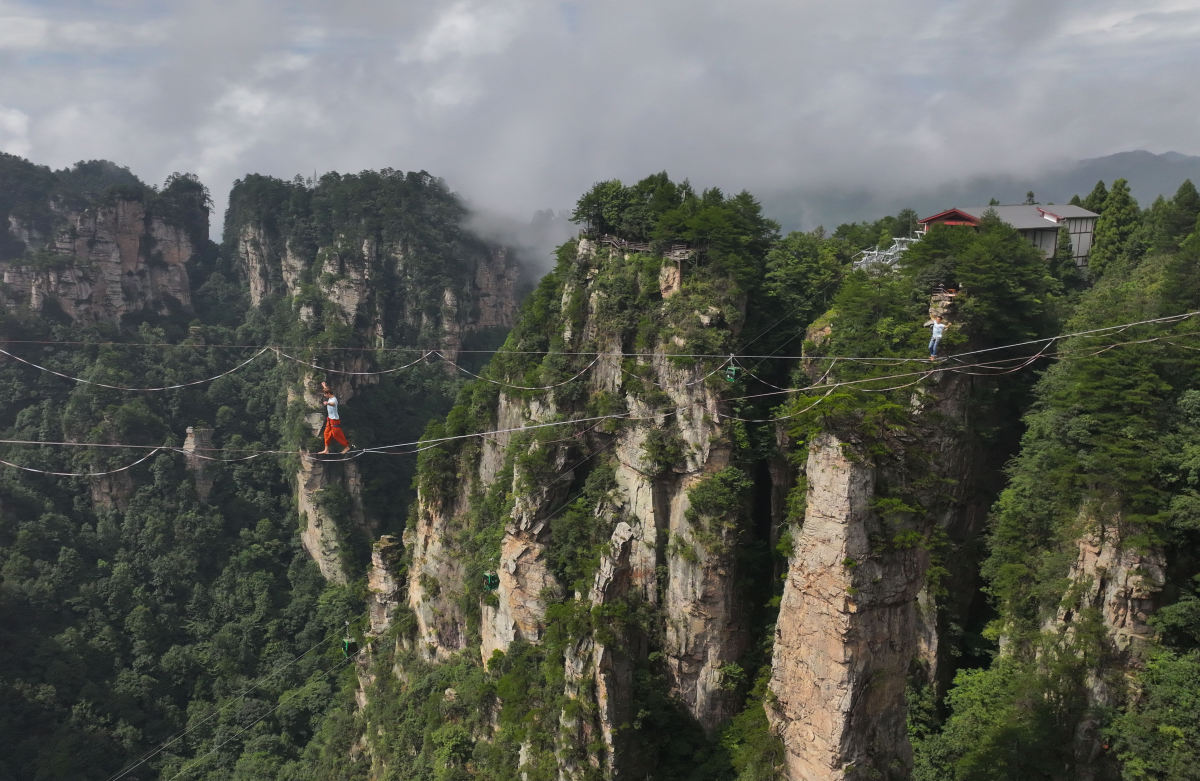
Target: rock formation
102	264
200	439
846	631
1116	583
384	587
401	280
856	611
391	278
329	499
661	551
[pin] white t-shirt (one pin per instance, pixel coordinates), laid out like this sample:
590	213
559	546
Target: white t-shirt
331	410
938	329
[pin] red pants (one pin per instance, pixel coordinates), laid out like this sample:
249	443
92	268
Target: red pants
333	430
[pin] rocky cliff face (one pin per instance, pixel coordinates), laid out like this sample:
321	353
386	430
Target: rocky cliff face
385	266
384	587
658	550
354	282
390	283
846	632
199	439
1115	584
269	266
102	264
329	499
856	613
1118	580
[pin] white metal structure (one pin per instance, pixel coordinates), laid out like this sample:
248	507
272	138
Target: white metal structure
884	257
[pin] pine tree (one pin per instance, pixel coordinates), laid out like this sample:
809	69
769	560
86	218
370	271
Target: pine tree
1153	232
1119	220
1094	202
1180	220
1190	246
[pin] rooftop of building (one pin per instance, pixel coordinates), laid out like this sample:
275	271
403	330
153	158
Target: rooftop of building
1022	216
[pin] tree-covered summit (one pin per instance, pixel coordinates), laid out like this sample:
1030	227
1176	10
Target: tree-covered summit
39	196
662	213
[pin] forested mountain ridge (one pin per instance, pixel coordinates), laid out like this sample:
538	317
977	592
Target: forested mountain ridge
882	576
388	250
97	245
374	270
887	539
1092	546
582	583
164	598
650	541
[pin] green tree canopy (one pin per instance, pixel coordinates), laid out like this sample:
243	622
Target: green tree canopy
1096	198
1115	230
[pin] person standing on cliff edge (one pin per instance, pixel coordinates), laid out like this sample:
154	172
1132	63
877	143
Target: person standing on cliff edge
333	421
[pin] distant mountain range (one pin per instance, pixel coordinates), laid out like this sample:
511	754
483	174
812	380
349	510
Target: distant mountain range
1149	176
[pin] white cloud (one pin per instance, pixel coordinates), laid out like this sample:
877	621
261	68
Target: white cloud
244	102
465	29
14	131
521	104
23	33
107	36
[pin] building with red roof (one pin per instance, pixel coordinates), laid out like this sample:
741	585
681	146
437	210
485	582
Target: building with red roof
1038	224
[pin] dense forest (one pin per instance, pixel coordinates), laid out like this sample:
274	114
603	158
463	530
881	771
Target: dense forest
138	614
163	615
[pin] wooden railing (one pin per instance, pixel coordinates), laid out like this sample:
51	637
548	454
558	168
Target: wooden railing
676	252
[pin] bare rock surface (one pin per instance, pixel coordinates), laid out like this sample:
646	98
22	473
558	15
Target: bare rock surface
106	263
846	632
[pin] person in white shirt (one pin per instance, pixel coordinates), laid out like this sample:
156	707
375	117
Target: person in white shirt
939	328
333	421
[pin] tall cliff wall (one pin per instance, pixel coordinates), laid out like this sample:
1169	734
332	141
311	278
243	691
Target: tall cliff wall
382	253
846	632
371	267
1113	583
100	264
858	620
640	484
618	548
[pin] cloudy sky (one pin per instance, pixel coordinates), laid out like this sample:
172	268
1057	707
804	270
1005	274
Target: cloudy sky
523	104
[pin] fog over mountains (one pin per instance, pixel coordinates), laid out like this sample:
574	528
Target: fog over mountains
1149	176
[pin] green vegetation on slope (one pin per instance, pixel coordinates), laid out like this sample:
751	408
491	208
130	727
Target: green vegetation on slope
138	617
144	612
1108	451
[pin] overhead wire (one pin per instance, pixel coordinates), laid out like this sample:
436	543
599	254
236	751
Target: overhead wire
1100	330
424	350
1021	362
911	378
176	386
331	370
593	353
781	417
80	474
583	371
750	373
697	381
